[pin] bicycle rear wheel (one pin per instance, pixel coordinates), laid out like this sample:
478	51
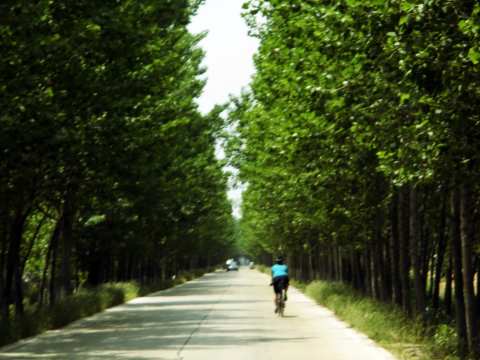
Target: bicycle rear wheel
281	308
281	304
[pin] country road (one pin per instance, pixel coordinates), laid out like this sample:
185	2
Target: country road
224	316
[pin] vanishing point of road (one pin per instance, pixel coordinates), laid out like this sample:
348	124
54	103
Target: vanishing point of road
220	316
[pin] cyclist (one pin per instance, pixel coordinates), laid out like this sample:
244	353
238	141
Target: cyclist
280	279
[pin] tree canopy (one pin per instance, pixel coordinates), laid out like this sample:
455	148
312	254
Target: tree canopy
359	146
107	168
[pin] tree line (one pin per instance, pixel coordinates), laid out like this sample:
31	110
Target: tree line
107	168
359	145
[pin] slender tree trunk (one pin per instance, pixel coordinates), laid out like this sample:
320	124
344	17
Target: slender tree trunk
395	249
467	235
431	271
416	247
13	285
426	256
3	251
403	232
375	271
311	272
440	254
381	255
368	273
53	267
387	270
339	264
354	280
358	272
320	268
347	271
328	264
477	262
51	244
448	287
19	308
457	273
67	244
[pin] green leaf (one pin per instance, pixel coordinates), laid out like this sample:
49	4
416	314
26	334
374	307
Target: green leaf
404	19
474	55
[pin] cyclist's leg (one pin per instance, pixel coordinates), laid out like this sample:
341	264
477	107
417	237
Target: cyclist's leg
281	301
278	300
277	291
285	283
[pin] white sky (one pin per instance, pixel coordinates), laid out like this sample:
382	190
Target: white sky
229	50
229	60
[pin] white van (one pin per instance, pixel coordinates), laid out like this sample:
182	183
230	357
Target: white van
232	265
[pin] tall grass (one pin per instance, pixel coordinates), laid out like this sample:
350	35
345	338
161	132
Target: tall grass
385	324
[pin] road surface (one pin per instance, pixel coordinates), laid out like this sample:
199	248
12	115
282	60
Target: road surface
224	316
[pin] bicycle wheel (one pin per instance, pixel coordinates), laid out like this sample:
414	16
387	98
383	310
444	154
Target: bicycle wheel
281	304
281	308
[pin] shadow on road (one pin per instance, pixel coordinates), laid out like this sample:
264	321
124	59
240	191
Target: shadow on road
158	324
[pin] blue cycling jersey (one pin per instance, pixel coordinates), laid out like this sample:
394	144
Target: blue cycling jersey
279	270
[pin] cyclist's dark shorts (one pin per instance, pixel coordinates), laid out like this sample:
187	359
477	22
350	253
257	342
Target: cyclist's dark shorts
280	283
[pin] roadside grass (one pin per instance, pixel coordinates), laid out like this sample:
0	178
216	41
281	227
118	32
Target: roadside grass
384	323
84	303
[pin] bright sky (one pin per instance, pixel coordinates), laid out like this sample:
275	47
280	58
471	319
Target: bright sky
229	60
229	50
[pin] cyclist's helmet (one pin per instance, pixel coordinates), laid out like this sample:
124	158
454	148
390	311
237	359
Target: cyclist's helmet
279	260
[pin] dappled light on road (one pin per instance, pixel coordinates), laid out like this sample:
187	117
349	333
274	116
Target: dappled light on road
219	316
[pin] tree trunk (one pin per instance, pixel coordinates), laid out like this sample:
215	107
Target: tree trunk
3	251
477	261
403	232
311	273
448	287
382	273
467	239
19	309
440	254
67	245
368	273
300	267
395	249
416	247
339	263
13	284
53	241
457	273
386	271
358	273
53	267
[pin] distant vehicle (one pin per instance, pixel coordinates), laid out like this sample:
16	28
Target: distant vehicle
227	263
251	265
232	266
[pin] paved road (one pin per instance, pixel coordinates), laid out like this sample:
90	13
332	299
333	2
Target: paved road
224	316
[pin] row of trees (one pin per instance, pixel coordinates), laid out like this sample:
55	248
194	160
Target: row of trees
107	169
360	146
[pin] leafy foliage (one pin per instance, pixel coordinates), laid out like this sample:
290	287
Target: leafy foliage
107	168
353	103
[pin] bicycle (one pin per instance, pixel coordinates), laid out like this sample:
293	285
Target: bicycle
280	303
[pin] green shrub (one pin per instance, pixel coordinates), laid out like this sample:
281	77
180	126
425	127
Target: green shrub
384	323
445	338
156	286
30	324
7	334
